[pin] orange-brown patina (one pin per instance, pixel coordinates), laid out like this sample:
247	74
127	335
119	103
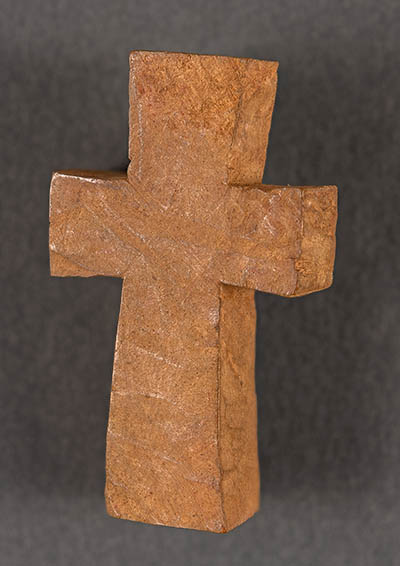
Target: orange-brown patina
192	233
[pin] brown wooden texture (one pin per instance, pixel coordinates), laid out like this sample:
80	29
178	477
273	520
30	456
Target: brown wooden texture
193	233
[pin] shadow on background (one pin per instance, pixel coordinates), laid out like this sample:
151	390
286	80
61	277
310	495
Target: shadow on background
326	364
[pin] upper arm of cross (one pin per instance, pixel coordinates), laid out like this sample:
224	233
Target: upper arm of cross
283	238
274	239
84	234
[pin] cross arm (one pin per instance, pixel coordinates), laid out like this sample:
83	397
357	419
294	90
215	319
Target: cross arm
84	238
283	238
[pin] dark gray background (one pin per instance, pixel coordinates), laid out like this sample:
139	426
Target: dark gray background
327	365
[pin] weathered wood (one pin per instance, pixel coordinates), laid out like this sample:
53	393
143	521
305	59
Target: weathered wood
192	232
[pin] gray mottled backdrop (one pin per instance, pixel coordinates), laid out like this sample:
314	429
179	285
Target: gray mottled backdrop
328	365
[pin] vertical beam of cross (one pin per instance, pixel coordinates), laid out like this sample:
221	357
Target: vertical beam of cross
192	233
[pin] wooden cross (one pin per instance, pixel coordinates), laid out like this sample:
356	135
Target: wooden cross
192	233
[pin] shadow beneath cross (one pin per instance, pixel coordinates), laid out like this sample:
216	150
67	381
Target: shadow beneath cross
326	390
326	364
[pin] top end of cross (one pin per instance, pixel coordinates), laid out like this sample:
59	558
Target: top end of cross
198	119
